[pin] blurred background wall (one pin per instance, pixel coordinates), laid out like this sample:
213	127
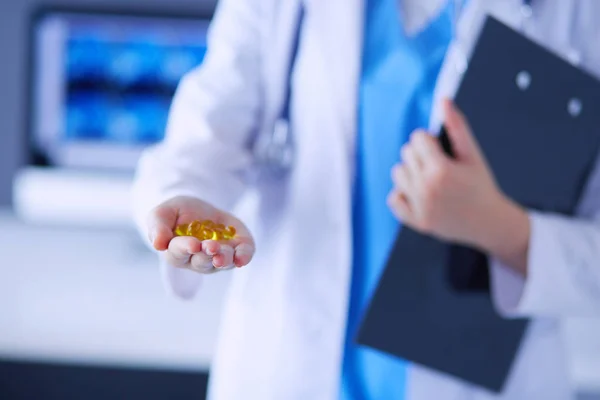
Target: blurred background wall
89	320
14	20
92	317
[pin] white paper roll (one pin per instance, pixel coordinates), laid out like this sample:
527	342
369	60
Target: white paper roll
70	197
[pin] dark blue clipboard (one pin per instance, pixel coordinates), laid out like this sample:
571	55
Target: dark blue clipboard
433	305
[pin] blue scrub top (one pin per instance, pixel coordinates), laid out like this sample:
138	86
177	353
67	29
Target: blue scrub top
396	90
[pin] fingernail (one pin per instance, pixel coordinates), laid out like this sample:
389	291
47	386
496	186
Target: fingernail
208	249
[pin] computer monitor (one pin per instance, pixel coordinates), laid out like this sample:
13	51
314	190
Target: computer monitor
102	83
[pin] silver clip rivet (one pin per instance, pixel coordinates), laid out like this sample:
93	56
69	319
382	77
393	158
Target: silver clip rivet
574	107
523	80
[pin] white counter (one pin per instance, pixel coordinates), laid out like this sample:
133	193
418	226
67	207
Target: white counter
94	296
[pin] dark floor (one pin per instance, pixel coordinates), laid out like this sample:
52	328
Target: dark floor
25	381
66	382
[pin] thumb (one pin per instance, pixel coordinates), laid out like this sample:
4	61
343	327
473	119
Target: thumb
161	223
464	144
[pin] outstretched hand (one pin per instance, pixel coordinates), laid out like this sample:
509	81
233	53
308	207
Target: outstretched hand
206	256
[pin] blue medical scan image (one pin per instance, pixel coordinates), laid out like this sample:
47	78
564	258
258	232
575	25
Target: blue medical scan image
119	83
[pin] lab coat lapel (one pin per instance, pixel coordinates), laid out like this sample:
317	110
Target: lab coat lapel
340	26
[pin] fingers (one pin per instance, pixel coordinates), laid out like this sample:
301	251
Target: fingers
243	254
203	263
237	253
399	199
422	156
427	149
161	222
210	260
208	256
454	118
244	250
398	203
224	258
410	157
463	142
402	178
181	249
211	247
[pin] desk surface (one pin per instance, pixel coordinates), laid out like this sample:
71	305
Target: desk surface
95	296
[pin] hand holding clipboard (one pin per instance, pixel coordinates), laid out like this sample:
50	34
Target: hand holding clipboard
454	196
433	305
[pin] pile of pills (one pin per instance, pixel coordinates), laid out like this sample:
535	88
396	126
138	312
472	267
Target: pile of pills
206	230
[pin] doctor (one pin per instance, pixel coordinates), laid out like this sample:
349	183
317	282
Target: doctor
367	74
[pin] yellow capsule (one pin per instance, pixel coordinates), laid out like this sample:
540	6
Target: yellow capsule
206	234
181	230
217	235
206	230
229	232
207	223
194	228
218	232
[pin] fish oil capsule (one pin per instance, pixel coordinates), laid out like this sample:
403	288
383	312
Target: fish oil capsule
218	232
218	235
205	234
206	230
208	224
195	229
219	227
229	232
181	230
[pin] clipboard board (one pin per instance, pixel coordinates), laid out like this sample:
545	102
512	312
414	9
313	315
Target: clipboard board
433	304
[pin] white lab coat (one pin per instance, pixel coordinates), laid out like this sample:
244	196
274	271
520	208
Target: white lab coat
283	326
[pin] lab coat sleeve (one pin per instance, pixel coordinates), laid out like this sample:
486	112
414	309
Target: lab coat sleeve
563	278
215	110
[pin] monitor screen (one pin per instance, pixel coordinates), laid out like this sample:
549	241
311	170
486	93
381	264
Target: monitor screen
103	83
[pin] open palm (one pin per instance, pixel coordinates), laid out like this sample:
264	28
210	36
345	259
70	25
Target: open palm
188	252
